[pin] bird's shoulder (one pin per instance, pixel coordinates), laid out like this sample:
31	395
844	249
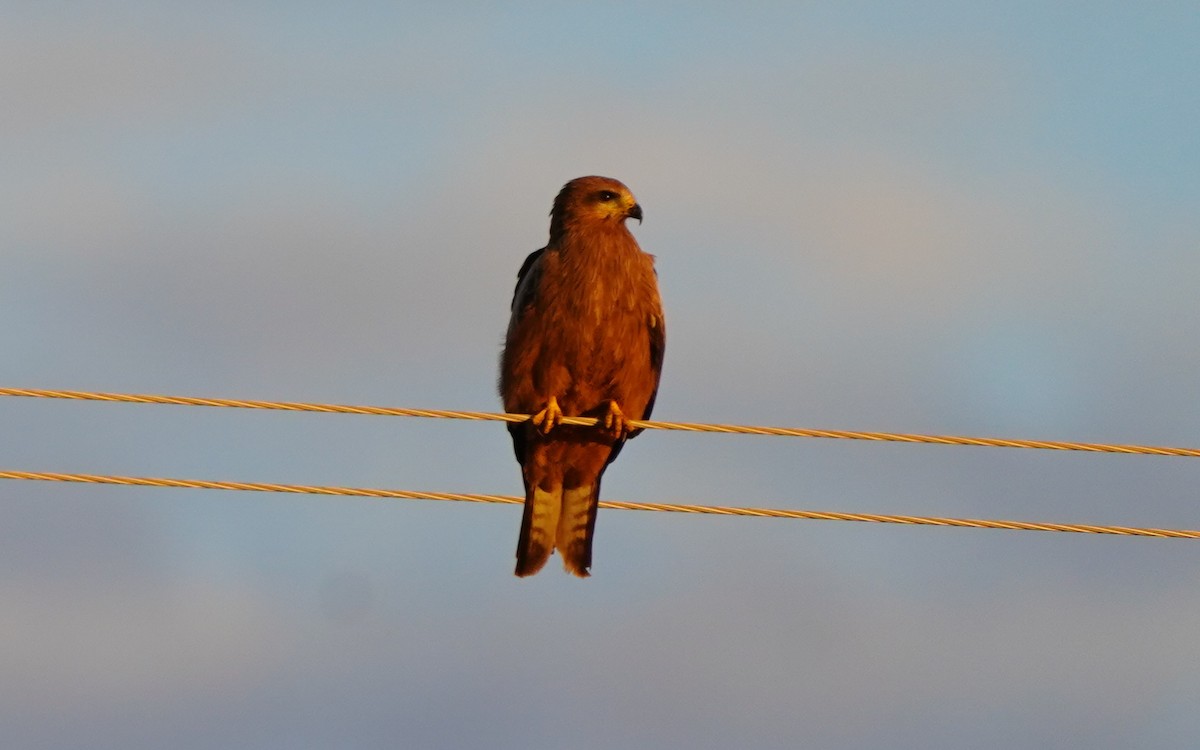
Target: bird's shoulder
527	276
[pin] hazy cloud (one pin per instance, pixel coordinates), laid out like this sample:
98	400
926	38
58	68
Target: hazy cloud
938	220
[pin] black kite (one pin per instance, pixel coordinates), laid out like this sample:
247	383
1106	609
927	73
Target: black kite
586	338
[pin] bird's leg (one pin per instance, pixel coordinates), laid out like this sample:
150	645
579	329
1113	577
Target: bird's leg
614	420
549	418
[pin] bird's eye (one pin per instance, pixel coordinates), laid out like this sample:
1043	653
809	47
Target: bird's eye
607	195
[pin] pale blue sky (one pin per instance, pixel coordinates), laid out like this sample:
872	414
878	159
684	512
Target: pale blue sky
925	218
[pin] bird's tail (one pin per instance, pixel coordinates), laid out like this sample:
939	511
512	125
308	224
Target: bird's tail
538	527
576	523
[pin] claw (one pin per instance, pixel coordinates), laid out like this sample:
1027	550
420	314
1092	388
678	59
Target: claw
615	420
549	418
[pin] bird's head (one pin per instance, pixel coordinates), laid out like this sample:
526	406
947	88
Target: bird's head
593	202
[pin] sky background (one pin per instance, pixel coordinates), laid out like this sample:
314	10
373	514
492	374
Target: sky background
924	217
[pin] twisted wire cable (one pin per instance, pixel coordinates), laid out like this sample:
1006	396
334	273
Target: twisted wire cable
900	437
721	510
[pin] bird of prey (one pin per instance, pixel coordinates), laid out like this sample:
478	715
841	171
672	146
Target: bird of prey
586	338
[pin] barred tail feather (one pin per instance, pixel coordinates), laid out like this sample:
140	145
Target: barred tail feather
576	524
538	525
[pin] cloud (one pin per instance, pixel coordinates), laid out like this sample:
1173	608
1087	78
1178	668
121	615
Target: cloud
57	75
107	649
850	233
728	655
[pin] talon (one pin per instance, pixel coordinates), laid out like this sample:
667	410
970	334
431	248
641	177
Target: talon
549	418
615	421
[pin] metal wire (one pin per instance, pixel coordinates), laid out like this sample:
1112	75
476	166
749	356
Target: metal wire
616	504
589	421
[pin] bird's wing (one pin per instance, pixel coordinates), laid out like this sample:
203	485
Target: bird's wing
524	297
658	346
523	293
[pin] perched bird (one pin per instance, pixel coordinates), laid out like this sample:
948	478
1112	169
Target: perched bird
586	338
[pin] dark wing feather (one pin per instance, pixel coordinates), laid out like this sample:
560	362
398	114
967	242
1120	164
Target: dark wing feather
658	345
522	298
526	267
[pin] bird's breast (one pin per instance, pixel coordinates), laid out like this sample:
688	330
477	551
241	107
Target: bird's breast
598	311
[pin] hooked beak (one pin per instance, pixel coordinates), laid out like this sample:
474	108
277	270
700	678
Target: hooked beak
635	212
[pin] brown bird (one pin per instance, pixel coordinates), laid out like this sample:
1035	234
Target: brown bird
586	338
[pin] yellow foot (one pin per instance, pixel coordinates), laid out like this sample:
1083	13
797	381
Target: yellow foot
549	418
615	422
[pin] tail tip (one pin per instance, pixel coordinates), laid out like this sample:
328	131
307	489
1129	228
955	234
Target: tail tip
531	559
577	572
576	561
